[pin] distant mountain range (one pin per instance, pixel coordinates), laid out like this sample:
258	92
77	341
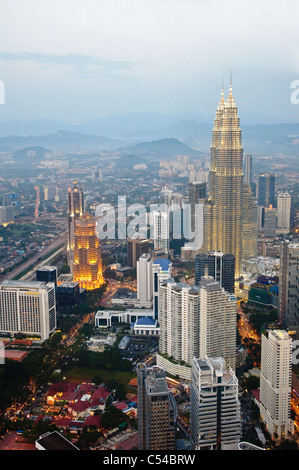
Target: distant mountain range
138	133
169	147
61	140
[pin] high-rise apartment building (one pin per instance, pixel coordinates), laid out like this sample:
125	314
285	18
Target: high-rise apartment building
215	407
196	321
151	273
217	325
275	382
288	297
179	309
284	202
220	266
161	271
135	248
223	214
87	267
28	307
145	278
161	230
157	410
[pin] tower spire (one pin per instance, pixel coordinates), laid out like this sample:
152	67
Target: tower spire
222	100
230	100
231	85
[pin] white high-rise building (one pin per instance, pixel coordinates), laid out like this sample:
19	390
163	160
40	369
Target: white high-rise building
218	319
284	201
275	382
145	279
28	307
161	230
161	271
179	306
215	407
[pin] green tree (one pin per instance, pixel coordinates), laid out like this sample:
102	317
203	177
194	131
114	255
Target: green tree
39	429
113	417
97	380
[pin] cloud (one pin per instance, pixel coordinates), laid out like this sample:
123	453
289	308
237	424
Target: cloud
76	61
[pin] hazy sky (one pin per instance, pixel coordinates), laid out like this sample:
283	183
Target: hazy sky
76	60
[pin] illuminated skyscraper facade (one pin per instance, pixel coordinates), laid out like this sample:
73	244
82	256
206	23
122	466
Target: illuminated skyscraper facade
28	307
75	210
87	267
223	213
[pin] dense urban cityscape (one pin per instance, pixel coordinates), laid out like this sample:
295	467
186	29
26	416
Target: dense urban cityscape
125	343
149	287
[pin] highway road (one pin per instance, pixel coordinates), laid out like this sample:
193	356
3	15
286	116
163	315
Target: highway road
34	259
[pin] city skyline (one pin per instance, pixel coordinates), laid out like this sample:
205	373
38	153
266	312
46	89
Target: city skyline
149	227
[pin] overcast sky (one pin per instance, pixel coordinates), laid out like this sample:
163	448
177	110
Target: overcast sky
76	60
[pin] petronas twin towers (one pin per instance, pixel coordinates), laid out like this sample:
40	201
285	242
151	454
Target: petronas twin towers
224	216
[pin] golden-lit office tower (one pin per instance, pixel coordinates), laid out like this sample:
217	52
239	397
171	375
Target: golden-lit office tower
75	210
226	184
87	267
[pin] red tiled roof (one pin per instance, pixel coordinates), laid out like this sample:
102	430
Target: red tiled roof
121	405
129	443
85	388
22	342
68	390
99	396
14	355
94	420
134	398
80	405
61	422
133	382
256	393
77	424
